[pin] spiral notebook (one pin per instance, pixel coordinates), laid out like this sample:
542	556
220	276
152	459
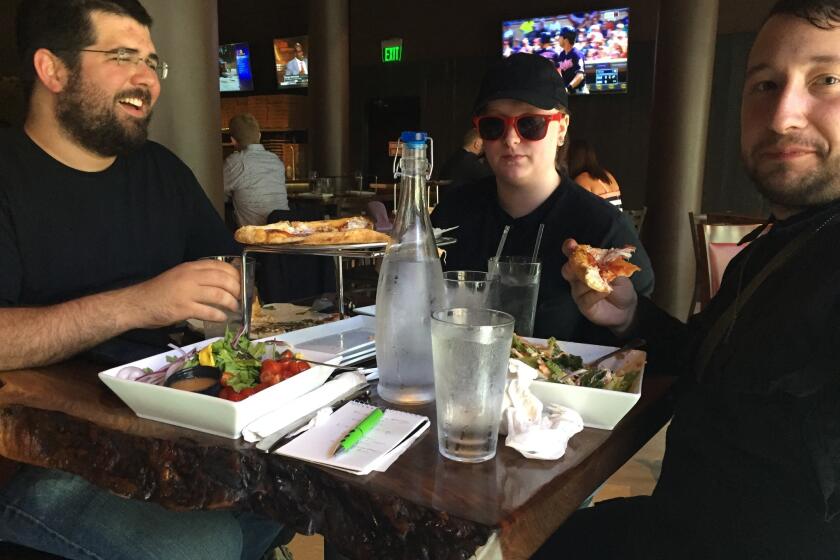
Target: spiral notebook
375	452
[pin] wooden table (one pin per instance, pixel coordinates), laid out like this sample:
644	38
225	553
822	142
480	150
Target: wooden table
424	506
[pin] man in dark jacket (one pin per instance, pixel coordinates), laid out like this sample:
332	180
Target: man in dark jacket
752	464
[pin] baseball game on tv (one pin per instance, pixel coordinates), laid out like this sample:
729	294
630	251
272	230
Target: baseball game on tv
588	48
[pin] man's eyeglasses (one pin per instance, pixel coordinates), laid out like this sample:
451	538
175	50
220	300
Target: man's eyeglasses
131	56
528	127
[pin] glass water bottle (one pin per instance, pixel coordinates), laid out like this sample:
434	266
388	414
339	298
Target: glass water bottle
410	285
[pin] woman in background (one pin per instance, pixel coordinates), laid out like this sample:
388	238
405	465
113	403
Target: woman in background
589	174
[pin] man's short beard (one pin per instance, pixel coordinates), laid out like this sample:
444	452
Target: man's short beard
811	187
820	186
89	117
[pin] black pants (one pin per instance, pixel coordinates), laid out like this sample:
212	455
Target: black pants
607	530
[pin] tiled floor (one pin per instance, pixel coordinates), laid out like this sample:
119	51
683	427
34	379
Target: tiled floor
638	476
308	548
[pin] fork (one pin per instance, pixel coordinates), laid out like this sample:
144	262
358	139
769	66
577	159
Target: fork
635	343
336	366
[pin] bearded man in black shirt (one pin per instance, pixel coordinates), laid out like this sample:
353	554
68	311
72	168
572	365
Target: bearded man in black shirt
752	463
99	232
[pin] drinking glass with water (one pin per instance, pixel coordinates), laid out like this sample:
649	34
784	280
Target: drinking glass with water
466	288
470	351
514	287
235	319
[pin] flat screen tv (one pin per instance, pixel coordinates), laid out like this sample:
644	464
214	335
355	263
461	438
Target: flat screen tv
291	55
235	67
598	51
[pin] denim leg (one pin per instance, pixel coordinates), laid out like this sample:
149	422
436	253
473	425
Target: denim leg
63	514
258	534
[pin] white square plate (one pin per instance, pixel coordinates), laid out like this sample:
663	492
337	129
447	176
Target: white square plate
600	408
366	310
346	337
203	412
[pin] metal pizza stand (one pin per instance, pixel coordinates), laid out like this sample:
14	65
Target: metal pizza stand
337	252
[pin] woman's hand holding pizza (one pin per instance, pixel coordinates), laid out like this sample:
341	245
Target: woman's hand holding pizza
614	308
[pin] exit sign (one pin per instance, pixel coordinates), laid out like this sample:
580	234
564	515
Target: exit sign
392	50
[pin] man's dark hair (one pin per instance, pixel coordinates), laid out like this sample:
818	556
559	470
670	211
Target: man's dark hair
64	27
824	14
569	34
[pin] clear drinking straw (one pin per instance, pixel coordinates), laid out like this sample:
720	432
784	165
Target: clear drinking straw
502	243
537	244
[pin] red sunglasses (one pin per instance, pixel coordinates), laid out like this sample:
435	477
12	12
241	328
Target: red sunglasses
528	127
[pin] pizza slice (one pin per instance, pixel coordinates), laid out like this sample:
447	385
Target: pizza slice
355	229
597	268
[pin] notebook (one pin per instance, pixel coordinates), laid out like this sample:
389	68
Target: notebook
376	451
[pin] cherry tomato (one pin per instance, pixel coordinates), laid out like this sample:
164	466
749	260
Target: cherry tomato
230	393
299	366
273	371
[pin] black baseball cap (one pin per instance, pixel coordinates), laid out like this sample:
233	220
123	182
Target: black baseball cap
523	77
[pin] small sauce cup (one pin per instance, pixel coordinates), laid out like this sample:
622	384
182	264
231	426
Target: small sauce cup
197	379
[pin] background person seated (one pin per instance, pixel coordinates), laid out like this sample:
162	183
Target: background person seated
254	178
467	164
587	172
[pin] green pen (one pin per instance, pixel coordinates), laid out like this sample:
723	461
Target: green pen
355	435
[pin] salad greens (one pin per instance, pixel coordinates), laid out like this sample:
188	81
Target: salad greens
556	365
234	355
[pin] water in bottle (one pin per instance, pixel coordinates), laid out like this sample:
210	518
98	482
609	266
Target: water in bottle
410	286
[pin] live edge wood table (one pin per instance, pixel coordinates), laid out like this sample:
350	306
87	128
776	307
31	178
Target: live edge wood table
424	506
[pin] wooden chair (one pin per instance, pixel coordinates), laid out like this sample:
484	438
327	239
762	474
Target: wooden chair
715	238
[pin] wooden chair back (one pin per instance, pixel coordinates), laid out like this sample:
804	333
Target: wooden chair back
715	238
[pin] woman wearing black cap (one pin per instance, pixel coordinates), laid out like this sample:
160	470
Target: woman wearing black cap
521	114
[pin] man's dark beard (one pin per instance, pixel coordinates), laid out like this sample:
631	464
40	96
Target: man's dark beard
814	189
820	186
90	119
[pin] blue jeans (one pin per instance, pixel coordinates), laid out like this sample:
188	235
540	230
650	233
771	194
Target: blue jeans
63	514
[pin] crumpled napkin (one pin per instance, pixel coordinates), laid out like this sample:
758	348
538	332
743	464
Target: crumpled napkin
535	432
312	401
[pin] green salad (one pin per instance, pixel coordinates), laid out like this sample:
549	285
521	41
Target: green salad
556	365
235	355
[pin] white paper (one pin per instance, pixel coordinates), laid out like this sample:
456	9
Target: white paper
305	404
377	450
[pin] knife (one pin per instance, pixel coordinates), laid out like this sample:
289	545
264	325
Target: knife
272	441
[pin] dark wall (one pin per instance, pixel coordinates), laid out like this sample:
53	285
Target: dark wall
726	186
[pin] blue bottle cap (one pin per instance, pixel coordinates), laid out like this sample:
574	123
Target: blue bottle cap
415	138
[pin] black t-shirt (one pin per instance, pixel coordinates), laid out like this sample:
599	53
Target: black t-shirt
66	233
570	211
